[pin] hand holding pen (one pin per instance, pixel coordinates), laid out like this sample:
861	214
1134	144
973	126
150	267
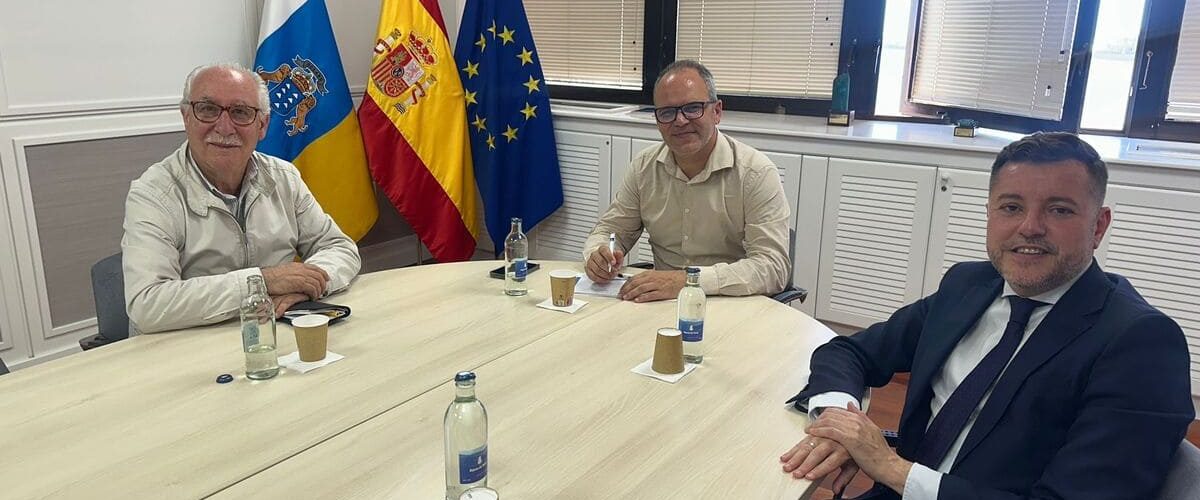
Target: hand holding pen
604	264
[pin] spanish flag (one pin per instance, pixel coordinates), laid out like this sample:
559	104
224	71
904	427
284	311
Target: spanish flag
414	124
312	116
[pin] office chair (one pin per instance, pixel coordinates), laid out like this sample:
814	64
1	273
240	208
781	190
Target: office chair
789	294
1183	478
108	291
3	367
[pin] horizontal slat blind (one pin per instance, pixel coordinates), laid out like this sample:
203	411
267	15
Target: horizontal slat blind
764	47
1183	101
597	43
1003	56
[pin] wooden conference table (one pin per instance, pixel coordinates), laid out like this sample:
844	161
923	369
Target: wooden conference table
144	418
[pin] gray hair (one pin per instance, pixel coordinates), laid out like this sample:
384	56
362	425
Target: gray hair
264	102
683	64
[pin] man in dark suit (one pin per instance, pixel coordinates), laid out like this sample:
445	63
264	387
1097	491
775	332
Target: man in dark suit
1034	375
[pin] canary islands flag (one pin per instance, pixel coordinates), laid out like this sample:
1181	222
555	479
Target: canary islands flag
512	135
312	116
414	126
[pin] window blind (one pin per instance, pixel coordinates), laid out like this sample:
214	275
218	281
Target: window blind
786	48
596	43
1183	100
1003	56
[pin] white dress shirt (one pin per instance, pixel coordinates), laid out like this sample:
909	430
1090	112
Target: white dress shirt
922	482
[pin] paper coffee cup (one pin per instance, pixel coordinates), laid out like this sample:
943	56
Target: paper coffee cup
312	336
562	287
668	351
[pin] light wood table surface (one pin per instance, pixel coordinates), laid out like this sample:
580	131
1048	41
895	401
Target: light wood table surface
567	418
144	417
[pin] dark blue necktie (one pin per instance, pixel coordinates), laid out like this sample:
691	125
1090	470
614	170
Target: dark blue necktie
953	416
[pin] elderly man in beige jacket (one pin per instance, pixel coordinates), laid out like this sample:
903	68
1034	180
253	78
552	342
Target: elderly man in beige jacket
215	212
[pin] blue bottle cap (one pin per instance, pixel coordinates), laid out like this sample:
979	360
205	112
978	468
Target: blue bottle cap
224	378
693	270
464	376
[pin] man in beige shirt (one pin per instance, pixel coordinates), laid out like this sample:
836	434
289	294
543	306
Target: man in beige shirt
706	200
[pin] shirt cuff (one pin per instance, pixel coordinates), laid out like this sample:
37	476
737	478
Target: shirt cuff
709	281
827	400
922	483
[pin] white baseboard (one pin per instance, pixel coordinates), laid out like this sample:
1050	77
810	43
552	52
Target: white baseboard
61	352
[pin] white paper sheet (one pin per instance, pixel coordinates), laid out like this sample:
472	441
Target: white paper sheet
589	287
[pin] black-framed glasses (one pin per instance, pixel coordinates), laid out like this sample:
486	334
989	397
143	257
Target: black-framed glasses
239	114
691	111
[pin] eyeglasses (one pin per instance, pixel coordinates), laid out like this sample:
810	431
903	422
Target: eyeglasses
208	112
691	111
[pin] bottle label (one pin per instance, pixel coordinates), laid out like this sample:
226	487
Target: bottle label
472	466
520	267
249	335
693	329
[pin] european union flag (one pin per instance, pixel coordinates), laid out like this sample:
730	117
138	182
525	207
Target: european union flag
508	114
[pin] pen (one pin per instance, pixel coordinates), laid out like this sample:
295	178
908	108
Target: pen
612	248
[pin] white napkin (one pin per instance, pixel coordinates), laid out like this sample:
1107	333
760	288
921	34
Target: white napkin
575	306
645	369
293	361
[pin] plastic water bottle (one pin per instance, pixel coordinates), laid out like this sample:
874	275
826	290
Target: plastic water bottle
690	313
516	260
258	331
466	439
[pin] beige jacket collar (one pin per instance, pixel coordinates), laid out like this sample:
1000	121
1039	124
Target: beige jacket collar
200	199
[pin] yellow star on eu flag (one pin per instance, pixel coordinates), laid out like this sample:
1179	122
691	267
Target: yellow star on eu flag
472	69
491	141
525	56
482	43
532	84
529	111
510	133
493	28
480	123
507	35
471	98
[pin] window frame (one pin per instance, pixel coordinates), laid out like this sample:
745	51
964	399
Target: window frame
1145	113
659	35
1077	74
1162	21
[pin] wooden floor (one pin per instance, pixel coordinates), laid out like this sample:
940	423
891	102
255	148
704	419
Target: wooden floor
886	404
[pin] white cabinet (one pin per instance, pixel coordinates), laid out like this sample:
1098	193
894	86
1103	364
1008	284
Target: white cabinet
874	237
585	161
958	232
1154	241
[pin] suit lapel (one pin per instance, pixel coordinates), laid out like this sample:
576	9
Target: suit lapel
938	339
1072	315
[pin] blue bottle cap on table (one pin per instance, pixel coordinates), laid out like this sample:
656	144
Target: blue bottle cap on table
464	376
224	378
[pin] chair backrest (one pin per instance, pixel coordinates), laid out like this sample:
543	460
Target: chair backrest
1183	479
108	290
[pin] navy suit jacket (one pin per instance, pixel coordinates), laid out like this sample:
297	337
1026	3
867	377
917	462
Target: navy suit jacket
1092	406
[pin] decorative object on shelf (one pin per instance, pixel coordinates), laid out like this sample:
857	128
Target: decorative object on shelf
965	128
840	113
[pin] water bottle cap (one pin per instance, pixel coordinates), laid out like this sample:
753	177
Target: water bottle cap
693	270
464	376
